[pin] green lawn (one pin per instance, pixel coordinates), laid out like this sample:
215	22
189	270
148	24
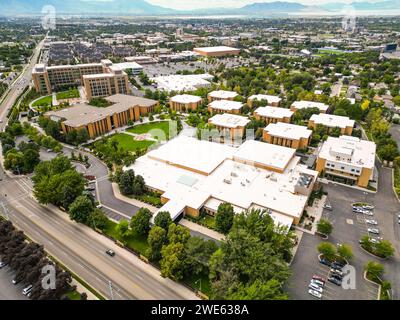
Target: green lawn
43	101
74	295
134	241
146	127
128	142
72	93
194	282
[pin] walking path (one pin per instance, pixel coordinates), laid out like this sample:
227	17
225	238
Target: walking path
196	227
131	201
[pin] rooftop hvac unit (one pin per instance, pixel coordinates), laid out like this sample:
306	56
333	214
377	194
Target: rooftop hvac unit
243	184
228	181
234	174
273	178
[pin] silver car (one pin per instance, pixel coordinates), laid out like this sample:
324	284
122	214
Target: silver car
373	230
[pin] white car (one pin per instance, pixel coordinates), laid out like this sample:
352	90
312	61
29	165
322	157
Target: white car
315	287
373	222
368	213
315	294
373	230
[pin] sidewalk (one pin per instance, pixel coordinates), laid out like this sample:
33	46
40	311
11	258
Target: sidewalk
81	289
196	227
131	201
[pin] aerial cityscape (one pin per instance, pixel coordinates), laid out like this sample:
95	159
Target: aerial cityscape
203	151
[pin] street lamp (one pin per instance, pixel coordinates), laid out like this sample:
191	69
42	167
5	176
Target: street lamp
200	284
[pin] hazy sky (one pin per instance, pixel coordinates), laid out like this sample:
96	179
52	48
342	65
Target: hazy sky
195	4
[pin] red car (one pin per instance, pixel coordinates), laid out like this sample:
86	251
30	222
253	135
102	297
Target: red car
315	277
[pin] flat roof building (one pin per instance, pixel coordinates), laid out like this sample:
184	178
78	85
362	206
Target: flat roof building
193	175
185	102
230	125
287	135
273	101
221	95
225	106
297	105
219	51
98	121
181	83
347	159
331	121
273	114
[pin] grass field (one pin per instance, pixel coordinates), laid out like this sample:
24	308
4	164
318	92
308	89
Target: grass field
70	94
43	101
134	241
128	142
146	127
200	282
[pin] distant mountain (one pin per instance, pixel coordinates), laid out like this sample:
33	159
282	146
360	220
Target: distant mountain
120	7
142	7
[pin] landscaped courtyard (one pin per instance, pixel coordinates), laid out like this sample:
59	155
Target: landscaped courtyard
151	127
129	142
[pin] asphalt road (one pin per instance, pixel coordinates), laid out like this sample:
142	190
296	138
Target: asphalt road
349	228
83	251
8	291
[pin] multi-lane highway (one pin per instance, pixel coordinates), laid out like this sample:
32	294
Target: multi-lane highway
76	246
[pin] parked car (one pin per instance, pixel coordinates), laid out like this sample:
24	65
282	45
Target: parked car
336	266
369	213
370	221
2	264
328	207
110	252
337	276
318	283
335	281
325	262
373	230
315	294
315	277
340	264
368	207
315	287
16	281
27	290
337	271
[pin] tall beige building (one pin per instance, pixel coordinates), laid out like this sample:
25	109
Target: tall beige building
99	79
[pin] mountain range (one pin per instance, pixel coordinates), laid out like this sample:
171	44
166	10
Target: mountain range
143	8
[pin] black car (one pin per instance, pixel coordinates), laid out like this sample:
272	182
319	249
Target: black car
336	266
337	276
340	264
335	281
325	262
110	252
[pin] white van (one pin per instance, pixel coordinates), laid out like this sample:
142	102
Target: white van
27	290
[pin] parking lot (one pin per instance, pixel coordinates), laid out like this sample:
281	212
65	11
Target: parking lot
350	227
8	291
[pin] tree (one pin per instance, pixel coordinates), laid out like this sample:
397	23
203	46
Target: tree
374	269
224	217
163	220
138	186
123	228
126	182
366	243
198	253
177	233
384	249
172	262
258	290
328	250
140	222
81	209
156	239
345	251
98	219
325	227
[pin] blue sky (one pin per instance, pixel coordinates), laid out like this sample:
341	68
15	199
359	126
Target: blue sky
195	4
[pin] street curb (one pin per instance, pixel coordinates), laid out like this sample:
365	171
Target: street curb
379	286
372	255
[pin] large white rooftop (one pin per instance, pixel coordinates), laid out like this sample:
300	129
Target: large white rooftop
241	184
310	104
270	99
186	98
288	131
216	49
265	154
222	94
332	121
274	112
349	150
178	83
226	105
229	120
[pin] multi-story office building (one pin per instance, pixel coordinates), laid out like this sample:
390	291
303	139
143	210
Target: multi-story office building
99	79
230	125
273	114
331	121
287	135
297	105
347	159
98	121
184	102
273	101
